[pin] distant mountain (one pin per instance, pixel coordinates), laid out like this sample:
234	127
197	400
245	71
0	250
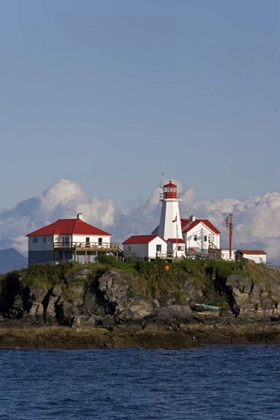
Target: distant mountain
11	259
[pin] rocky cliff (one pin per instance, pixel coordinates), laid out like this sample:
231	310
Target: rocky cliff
143	295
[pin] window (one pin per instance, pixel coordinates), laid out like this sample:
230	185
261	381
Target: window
195	237
44	240
205	238
129	248
180	248
99	241
87	240
65	240
35	240
158	248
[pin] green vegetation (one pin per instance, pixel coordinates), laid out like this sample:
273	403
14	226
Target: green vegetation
150	279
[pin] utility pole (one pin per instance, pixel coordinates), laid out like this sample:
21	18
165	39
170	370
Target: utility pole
229	225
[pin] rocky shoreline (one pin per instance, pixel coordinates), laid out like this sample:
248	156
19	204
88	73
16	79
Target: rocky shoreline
15	335
109	307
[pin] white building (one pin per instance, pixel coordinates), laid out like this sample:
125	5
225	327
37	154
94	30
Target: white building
255	255
148	247
200	234
176	234
169	225
226	255
176	248
69	240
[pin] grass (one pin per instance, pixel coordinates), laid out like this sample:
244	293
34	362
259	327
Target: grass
150	279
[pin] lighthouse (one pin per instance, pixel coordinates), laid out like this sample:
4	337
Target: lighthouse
170	222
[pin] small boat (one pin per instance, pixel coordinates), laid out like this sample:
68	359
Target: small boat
203	308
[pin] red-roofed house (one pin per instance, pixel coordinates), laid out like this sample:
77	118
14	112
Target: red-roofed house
147	247
199	233
68	240
255	255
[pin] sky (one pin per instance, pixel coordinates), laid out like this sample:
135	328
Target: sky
104	97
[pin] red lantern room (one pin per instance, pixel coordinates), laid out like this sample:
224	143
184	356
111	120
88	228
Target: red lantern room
170	191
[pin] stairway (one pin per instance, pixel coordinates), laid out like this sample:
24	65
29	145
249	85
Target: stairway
214	253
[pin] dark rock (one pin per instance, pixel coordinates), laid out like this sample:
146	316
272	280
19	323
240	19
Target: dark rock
175	311
192	292
78	275
56	290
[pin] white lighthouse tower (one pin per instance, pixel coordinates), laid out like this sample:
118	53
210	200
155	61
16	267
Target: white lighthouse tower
170	222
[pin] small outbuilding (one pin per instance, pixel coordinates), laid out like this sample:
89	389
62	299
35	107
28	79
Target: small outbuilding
256	255
147	247
176	247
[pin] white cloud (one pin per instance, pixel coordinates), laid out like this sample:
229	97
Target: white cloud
256	219
62	200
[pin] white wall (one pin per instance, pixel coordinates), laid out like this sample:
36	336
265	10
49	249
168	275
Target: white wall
167	228
153	247
177	250
92	238
46	243
225	253
145	250
81	238
259	259
200	231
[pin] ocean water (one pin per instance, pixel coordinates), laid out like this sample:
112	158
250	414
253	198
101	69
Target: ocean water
215	382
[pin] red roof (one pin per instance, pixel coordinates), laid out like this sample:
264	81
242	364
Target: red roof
69	227
170	185
176	240
187	225
141	239
251	251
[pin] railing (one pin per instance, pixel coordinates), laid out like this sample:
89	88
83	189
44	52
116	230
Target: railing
87	245
177	196
214	253
164	255
176	255
160	255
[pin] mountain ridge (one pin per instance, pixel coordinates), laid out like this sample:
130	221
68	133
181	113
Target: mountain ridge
11	259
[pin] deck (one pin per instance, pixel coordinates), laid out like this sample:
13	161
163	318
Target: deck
88	246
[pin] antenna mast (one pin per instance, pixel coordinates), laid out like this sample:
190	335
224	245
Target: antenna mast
229	225
162	180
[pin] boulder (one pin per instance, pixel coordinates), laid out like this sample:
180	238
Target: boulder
139	310
34	299
78	275
75	293
192	293
249	299
114	285
83	321
118	300
56	290
175	311
91	304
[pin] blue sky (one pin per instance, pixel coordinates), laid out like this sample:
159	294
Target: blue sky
111	93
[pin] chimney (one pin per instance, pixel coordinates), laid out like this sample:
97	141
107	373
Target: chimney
192	218
80	216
